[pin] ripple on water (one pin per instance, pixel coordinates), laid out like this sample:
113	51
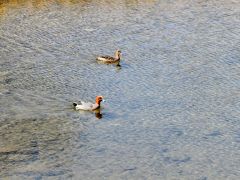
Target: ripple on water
172	109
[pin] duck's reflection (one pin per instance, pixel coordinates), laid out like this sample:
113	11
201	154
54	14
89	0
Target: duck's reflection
98	114
117	65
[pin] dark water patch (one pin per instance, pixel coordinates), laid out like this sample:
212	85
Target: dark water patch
8	81
50	173
176	160
172	132
130	169
203	178
214	134
237	136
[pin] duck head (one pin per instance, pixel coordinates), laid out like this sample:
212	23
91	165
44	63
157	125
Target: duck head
118	54
99	99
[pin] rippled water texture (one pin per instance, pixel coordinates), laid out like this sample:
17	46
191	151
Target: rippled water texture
172	109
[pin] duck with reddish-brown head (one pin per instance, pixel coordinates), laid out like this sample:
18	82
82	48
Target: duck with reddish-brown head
88	106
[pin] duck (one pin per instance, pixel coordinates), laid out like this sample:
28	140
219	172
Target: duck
109	59
88	106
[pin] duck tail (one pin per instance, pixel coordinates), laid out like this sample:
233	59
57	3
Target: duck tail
74	104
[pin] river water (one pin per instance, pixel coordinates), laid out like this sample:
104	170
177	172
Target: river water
172	109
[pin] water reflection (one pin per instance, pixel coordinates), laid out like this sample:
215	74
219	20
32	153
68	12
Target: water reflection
117	65
6	5
98	114
31	5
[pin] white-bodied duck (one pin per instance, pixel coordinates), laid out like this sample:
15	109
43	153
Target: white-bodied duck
88	106
109	59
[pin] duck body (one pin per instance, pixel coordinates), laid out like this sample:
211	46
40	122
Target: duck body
109	59
88	106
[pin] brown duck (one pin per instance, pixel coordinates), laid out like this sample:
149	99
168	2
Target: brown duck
109	59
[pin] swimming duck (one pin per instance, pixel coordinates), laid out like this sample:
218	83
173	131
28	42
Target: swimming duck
109	59
88	106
